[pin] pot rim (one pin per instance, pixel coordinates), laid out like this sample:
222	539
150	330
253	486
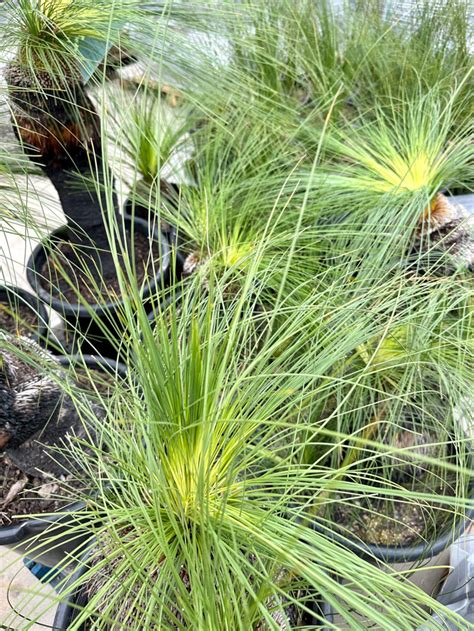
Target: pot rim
94	360
407	553
66	308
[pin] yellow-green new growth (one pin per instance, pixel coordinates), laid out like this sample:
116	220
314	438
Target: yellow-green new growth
404	149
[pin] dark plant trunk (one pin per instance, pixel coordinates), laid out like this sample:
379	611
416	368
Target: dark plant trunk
29	400
56	121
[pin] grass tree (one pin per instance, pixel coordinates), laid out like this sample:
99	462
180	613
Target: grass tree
57	47
304	372
153	138
237	205
402	400
202	504
54	117
304	59
387	174
392	50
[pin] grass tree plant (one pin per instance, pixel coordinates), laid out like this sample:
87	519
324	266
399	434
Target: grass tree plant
202	503
387	175
153	139
393	49
237	205
402	396
306	376
55	117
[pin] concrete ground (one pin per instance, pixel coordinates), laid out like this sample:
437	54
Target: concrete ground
22	596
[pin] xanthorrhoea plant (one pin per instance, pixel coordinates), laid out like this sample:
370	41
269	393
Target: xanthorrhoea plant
302	59
52	111
406	387
201	503
154	142
386	176
53	116
238	205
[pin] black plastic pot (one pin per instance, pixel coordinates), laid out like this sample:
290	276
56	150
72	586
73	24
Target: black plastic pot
15	296
25	536
92	320
68	610
400	554
92	361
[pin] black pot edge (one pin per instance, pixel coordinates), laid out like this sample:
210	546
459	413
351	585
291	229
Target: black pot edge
65	612
406	554
77	310
35	302
112	365
25	538
400	554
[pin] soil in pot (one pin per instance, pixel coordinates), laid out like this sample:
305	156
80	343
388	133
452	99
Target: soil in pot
21	320
93	284
387	520
21	314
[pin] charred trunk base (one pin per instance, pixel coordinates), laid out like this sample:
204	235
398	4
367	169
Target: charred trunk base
444	242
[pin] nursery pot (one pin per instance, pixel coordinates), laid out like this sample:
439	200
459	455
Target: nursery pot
25	536
69	609
104	364
92	320
401	554
392	554
16	300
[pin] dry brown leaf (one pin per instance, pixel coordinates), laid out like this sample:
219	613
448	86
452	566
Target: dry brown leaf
14	491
